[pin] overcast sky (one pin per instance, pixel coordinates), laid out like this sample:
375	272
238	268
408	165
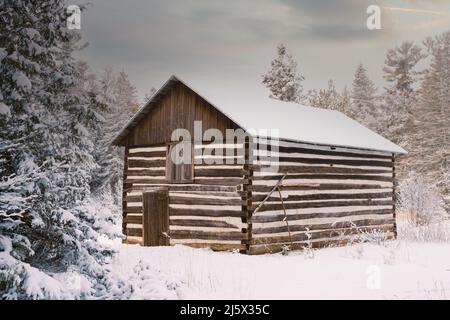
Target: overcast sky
234	41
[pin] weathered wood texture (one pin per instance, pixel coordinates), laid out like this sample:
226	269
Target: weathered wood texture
178	108
330	195
156	218
205	211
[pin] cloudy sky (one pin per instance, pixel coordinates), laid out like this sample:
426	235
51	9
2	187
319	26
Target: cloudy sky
233	41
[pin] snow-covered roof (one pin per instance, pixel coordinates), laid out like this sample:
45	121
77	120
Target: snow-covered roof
253	110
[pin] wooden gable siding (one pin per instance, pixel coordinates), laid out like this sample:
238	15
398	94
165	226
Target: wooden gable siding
178	109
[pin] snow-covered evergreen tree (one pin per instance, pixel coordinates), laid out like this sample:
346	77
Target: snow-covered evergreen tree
430	129
125	95
46	159
400	96
364	100
119	97
283	79
329	98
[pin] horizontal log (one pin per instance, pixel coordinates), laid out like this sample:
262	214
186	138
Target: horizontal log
320	234
204	212
145	181
134	232
132	241
293	217
235	164
138	198
324	177
335	225
145	172
356	154
134	198
323	196
204	201
137	219
147	154
138	163
321	169
319	243
218	181
372	163
202	223
185	187
321	204
219	172
135	209
217	246
207	235
275	248
318	186
208	193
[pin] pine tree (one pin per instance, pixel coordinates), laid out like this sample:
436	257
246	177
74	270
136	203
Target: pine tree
329	98
364	99
400	96
114	92
46	150
283	79
429	131
125	95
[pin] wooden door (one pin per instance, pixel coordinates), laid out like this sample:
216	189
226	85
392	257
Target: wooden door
156	218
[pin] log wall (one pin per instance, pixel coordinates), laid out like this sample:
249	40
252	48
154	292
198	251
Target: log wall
205	212
327	195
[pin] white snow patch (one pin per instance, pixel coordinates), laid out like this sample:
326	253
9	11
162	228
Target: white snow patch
21	80
4	109
394	270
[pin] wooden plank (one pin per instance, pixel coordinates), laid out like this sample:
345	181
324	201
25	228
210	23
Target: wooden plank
156	218
217	246
124	187
138	163
324	196
324	234
202	223
187	187
219	181
134	232
204	212
319	186
146	172
207	235
322	169
356	154
322	204
204	201
137	219
134	209
324	177
321	226
358	163
209	193
134	198
132	241
316	243
148	154
303	216
219	172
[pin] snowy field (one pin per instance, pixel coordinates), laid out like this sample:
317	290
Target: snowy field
396	269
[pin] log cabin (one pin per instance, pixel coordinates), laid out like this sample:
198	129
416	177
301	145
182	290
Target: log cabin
290	177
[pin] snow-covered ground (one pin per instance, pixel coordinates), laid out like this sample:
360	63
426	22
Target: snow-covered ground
392	270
